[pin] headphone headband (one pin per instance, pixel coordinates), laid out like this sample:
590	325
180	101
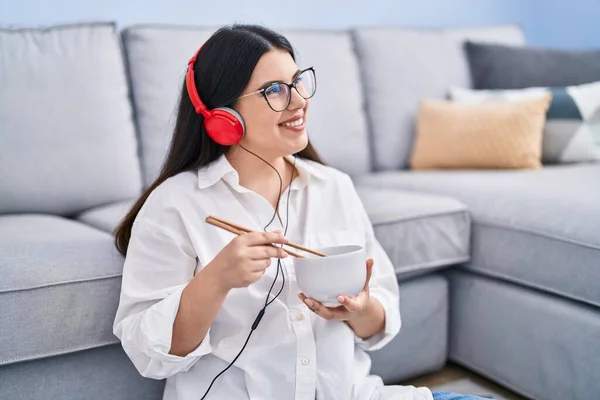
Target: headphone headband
191	87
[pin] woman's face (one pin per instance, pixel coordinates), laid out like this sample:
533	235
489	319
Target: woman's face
268	132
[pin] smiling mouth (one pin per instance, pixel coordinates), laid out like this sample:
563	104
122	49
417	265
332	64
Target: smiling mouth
293	124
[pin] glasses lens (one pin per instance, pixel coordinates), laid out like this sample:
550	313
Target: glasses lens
278	96
306	84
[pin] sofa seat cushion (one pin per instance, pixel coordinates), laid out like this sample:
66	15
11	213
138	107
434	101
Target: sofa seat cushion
419	232
106	218
536	227
59	289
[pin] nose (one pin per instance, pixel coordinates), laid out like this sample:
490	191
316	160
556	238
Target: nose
296	101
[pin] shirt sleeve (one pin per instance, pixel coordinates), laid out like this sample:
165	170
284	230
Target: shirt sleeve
158	266
383	285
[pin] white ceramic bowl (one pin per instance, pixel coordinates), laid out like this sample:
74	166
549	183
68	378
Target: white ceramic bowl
342	272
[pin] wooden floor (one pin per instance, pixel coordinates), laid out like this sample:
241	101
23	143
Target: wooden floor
453	372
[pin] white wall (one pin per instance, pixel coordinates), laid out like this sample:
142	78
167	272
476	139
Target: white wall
571	24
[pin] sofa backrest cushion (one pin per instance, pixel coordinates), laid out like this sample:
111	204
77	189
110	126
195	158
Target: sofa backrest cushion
402	66
67	135
158	57
496	66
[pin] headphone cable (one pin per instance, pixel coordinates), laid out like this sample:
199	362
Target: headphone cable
261	313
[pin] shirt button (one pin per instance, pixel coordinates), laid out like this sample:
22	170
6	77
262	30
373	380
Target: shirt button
300	316
305	361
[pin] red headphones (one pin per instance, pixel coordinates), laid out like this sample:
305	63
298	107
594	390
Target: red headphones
223	125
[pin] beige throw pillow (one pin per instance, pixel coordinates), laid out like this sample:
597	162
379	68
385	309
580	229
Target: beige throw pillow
497	134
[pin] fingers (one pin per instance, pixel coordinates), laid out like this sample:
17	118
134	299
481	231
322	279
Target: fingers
260	265
255	276
334	314
265	252
369	273
263	238
306	301
350	304
317	307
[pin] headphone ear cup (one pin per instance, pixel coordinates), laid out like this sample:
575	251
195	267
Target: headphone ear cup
225	126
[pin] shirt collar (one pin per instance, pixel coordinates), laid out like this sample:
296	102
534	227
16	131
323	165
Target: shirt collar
221	169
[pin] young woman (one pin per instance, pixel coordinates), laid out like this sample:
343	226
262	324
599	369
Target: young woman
221	316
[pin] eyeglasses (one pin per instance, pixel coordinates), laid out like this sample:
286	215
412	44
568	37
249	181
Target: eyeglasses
279	94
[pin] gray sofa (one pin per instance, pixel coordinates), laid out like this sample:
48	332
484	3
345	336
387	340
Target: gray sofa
498	270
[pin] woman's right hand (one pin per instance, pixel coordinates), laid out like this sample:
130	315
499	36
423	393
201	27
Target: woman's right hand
244	260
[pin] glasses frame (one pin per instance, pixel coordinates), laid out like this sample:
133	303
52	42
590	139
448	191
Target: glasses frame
289	85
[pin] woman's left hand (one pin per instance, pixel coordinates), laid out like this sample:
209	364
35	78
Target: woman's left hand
350	306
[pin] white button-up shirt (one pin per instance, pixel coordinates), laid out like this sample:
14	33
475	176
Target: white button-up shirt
294	353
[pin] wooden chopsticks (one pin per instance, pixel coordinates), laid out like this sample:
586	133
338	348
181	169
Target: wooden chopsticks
238	230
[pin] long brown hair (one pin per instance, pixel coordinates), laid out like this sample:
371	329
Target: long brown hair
222	71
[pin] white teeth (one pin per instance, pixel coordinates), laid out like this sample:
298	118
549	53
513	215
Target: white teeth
297	122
